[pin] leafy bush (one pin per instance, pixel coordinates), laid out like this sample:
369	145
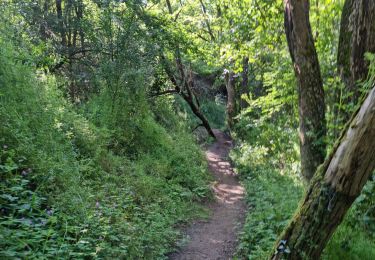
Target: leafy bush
272	199
105	180
273	195
267	160
214	110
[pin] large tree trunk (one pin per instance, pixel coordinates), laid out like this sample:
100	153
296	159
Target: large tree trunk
231	98
312	124
357	36
335	186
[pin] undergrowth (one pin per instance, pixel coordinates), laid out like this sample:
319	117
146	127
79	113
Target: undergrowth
269	214
267	161
102	181
213	109
271	198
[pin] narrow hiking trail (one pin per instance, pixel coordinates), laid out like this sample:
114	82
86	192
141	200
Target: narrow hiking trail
216	238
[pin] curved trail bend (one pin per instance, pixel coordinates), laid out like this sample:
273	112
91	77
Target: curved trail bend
216	238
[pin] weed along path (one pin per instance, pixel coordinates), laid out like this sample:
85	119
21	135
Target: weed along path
216	238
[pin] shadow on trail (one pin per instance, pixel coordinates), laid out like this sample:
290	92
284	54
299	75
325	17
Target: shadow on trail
216	238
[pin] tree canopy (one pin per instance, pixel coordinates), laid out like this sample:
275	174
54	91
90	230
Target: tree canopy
107	105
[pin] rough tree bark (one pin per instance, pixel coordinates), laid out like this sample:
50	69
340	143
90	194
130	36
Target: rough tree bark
335	186
312	124
357	36
231	97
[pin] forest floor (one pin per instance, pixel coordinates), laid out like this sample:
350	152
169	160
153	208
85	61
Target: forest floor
216	237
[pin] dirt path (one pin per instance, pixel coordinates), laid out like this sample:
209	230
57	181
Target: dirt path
216	238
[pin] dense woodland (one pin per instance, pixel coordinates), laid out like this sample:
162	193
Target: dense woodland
106	107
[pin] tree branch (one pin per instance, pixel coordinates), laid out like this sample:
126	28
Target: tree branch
165	92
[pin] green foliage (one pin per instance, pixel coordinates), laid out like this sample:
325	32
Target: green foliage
104	181
273	194
267	128
272	199
349	243
267	159
214	109
354	238
92	167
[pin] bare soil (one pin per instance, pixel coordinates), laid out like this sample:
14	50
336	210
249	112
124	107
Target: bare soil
216	238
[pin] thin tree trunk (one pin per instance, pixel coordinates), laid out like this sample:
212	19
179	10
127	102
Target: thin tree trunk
188	97
312	124
357	36
186	84
245	82
207	21
182	87
199	114
60	21
231	98
335	186
80	9
43	22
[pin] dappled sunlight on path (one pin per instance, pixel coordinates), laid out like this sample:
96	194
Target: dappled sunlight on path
216	238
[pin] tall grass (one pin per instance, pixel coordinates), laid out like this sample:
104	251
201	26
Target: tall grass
101	181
